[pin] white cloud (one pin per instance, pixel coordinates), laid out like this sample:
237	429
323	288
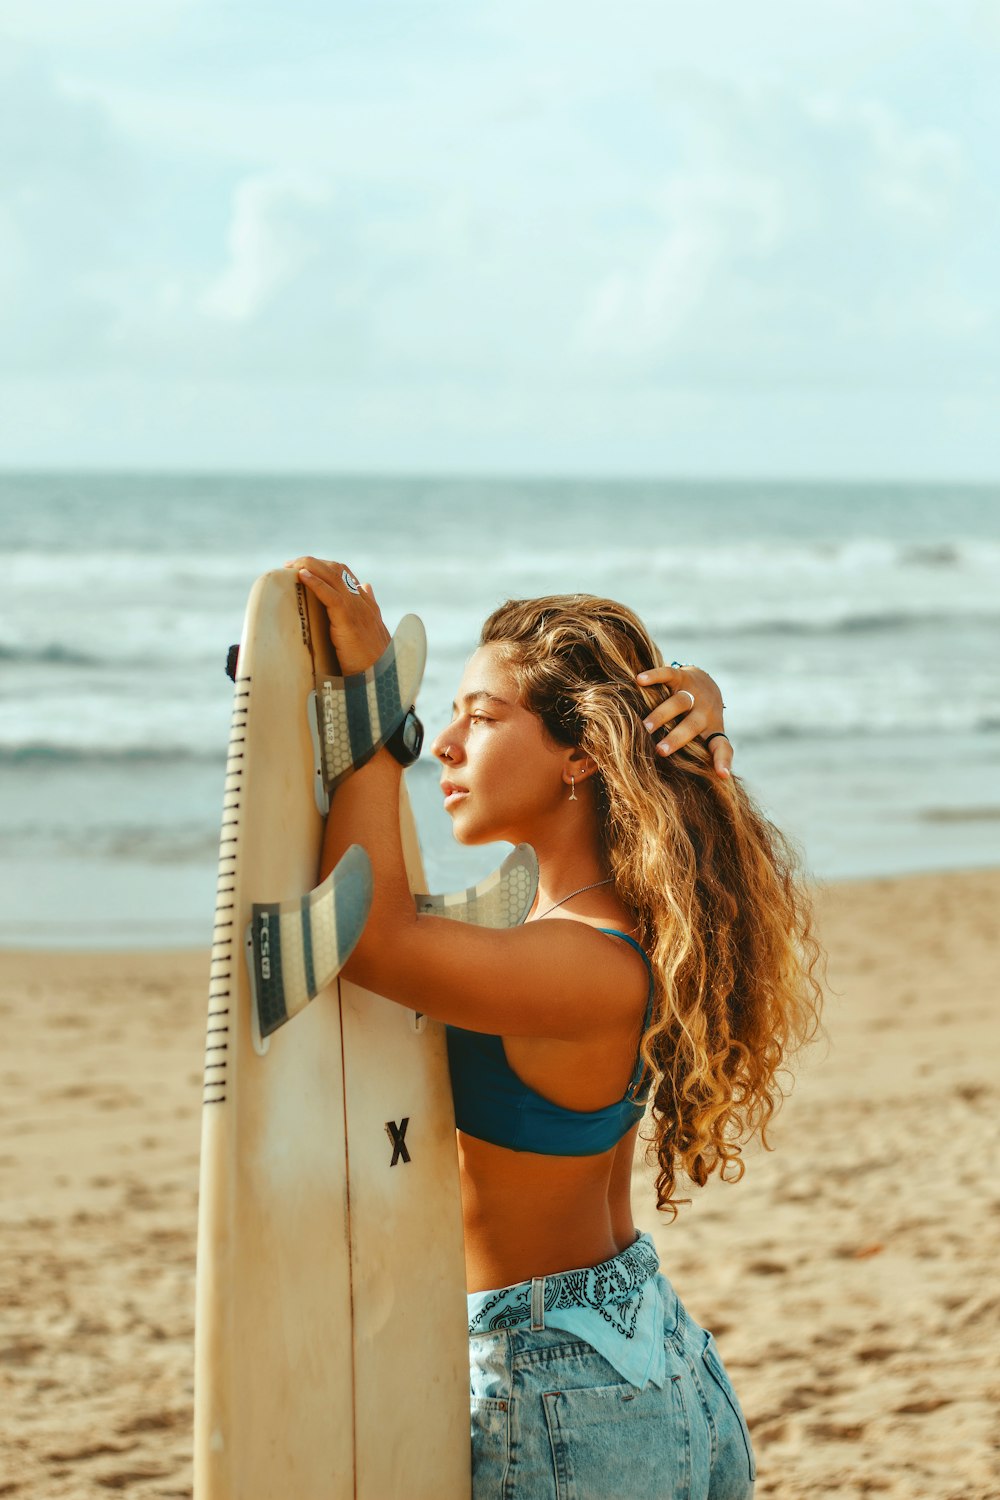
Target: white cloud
815	239
551	210
641	313
756	236
914	172
267	247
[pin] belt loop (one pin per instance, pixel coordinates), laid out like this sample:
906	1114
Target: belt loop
537	1303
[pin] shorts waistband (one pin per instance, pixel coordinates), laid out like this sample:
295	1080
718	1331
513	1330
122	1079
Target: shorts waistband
610	1289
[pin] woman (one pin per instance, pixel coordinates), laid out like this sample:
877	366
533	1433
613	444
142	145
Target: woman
667	960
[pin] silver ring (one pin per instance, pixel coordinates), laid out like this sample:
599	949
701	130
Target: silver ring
351	582
688	694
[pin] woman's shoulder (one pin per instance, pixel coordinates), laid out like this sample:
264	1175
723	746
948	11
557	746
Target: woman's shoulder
620	929
617	924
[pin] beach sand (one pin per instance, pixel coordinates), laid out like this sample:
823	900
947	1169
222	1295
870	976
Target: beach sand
850	1277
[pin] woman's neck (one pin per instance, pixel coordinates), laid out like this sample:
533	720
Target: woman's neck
569	857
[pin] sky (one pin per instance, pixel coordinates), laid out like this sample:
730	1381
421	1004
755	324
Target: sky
501	237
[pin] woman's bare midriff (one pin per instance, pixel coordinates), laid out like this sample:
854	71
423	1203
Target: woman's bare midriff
528	1215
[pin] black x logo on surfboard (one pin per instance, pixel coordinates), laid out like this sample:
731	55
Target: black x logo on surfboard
396	1134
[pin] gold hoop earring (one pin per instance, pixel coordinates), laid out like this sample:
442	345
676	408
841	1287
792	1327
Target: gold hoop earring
572	793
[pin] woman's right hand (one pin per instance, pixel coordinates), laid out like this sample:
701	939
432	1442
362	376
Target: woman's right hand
357	630
702	715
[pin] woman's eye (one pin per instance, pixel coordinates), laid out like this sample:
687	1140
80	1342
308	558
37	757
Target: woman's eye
480	719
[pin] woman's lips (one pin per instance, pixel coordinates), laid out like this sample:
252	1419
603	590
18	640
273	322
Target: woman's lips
453	794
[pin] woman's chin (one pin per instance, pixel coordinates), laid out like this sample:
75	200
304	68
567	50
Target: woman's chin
467	836
470	833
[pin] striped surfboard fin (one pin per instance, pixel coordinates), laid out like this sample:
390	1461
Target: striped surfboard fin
296	948
357	714
503	899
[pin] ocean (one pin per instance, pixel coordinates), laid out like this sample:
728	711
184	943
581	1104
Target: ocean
853	629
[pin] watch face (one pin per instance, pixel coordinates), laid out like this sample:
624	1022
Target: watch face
413	734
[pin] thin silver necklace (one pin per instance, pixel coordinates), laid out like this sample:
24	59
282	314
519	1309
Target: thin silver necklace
592	887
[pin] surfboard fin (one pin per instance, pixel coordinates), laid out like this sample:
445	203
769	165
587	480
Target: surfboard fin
503	899
352	717
296	948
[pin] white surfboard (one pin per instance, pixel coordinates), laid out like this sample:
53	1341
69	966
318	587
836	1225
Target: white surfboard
331	1356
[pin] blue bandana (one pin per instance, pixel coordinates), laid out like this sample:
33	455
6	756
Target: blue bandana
617	1307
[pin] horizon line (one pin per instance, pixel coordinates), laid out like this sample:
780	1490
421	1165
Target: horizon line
854	480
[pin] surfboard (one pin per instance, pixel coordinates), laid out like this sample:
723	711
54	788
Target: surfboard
331	1351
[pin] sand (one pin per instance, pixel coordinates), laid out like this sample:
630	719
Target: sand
850	1278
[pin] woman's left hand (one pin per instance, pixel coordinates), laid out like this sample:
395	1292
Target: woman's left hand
702	714
357	629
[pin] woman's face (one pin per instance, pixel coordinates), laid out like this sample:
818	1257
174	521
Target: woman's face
500	772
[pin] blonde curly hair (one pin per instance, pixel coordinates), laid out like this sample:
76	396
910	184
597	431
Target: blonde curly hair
713	886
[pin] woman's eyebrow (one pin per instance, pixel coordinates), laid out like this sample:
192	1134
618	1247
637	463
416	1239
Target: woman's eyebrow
470	698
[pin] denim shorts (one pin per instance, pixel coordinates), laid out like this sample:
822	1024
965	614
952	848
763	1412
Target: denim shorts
553	1420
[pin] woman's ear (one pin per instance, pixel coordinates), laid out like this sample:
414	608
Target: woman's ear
578	765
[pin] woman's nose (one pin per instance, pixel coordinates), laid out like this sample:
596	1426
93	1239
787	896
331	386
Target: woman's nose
446	747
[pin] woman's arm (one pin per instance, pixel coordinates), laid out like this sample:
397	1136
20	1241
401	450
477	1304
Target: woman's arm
557	978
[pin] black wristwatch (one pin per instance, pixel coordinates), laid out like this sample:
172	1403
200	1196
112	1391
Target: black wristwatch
407	741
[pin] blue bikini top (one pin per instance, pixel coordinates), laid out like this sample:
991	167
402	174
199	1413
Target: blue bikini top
492	1103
